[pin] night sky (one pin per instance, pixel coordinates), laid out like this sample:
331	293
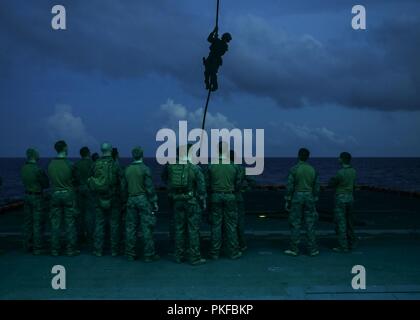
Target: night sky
124	69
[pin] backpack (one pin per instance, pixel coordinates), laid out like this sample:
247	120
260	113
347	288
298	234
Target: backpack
178	175
103	179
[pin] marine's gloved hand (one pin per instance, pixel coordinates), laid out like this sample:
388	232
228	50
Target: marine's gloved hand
216	29
287	206
155	208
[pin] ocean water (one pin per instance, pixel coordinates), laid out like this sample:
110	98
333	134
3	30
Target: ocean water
395	173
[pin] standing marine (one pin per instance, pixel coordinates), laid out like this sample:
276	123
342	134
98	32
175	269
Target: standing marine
105	182
223	179
121	196
1	185
247	183
35	180
344	183
218	48
63	201
187	193
82	171
141	208
302	193
95	156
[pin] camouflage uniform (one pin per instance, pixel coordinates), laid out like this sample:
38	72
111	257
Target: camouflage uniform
63	205
1	184
217	49
141	200
187	204
344	182
121	199
302	193
246	185
107	209
224	179
34	180
85	199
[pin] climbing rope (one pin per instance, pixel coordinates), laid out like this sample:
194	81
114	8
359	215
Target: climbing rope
217	13
209	94
205	110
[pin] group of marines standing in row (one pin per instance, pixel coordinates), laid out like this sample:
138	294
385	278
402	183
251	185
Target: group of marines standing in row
91	194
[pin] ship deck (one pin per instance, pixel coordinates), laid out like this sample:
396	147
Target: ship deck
388	226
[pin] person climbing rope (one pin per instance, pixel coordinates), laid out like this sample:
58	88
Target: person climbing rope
217	49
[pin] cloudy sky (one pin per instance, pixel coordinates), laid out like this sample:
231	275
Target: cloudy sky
123	70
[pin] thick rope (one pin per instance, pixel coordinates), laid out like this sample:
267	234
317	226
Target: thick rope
208	96
205	110
217	13
203	125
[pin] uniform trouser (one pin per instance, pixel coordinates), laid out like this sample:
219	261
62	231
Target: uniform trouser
210	73
33	225
224	217
303	210
343	214
63	205
86	217
139	211
121	219
211	80
123	210
187	218
107	212
241	221
171	219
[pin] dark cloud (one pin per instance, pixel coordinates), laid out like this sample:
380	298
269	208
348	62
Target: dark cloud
380	72
377	69
120	39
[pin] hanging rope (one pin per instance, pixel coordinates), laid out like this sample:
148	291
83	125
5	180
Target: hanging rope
208	96
205	110
217	14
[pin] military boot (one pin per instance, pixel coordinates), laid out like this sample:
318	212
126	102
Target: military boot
72	253
152	258
291	252
340	250
236	256
313	253
198	262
